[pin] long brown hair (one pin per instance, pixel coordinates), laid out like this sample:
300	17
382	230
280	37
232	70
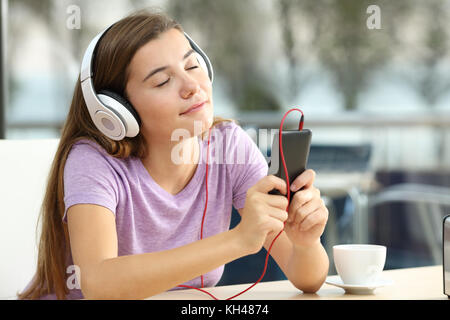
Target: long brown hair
113	55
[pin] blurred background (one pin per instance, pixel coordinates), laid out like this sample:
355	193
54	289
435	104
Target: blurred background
372	77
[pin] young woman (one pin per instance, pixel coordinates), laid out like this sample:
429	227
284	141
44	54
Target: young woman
127	216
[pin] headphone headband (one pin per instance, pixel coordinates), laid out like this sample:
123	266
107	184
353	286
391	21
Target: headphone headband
88	58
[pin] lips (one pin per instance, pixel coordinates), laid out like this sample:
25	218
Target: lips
195	106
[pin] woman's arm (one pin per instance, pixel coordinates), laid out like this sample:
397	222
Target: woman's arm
306	267
104	275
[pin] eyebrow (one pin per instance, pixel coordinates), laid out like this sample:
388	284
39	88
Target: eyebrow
187	54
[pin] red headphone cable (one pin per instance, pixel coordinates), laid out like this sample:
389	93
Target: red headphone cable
300	127
203	217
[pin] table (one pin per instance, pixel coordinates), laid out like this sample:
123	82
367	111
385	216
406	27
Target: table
409	283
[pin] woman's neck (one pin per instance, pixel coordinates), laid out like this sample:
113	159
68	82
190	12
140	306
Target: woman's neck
172	165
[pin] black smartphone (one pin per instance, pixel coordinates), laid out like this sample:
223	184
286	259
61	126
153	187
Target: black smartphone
296	145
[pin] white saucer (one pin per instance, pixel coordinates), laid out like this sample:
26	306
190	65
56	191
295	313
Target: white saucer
357	289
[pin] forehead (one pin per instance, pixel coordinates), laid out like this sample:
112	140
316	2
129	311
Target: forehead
168	48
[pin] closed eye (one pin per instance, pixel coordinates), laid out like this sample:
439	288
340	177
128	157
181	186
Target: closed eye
162	84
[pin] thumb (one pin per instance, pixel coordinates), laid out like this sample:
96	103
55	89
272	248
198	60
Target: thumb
271	182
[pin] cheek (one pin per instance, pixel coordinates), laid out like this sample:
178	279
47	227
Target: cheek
207	85
153	105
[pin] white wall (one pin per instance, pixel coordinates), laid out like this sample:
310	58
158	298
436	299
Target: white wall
24	166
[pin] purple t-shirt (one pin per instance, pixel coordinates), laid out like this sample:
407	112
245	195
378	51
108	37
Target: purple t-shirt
148	218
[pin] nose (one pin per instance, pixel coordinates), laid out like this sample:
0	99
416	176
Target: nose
190	86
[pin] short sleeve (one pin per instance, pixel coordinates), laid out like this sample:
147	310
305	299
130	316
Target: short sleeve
250	166
89	178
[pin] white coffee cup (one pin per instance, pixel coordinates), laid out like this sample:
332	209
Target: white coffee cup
359	264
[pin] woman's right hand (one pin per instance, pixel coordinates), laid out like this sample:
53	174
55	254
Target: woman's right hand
263	213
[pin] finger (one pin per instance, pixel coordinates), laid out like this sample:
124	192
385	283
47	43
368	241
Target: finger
298	216
317	218
275	226
278	214
304	196
271	182
276	201
304	180
303	211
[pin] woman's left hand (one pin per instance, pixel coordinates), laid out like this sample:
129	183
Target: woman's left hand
307	213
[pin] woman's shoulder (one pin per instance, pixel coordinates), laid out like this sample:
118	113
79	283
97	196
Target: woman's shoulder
234	134
90	149
230	129
87	146
237	144
86	153
227	125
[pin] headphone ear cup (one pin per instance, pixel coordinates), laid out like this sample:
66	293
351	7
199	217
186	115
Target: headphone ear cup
123	102
124	109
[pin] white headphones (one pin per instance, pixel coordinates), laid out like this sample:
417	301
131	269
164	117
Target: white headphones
111	113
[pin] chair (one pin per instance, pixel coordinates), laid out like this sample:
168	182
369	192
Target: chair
341	158
343	171
24	167
427	203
